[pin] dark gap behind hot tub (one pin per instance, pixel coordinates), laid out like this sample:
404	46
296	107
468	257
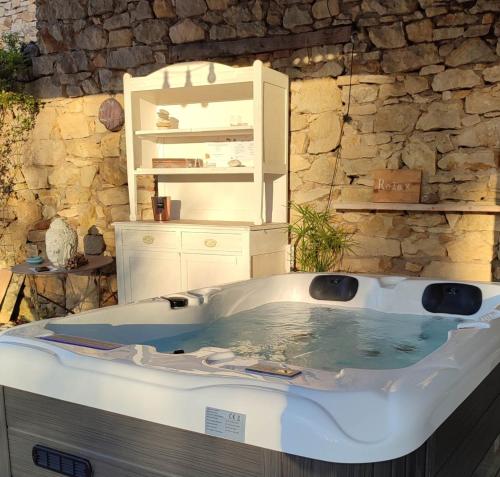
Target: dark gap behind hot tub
119	446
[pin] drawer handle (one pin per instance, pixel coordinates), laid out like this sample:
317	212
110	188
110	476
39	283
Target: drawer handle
210	243
148	239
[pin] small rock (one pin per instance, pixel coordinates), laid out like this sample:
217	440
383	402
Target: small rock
117	21
320	10
143	11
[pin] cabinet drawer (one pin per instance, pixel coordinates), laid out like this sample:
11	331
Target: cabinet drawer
150	239
206	242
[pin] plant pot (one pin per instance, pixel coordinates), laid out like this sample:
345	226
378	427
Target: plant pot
161	208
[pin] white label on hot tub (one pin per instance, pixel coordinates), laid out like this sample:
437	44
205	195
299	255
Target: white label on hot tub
226	424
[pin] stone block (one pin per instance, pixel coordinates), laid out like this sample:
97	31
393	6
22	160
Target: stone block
422	245
73	125
117	22
458	271
35	177
296	16
471	50
190	8
441	116
464	159
321	170
324	133
396	118
367	246
415	84
316	96
163	9
113	196
492	74
486	133
421	156
113	171
125	58
410	59
303	196
151	31
472	246
420	31
455	79
110	145
388	36
92	38
120	38
481	102
186	31
84	148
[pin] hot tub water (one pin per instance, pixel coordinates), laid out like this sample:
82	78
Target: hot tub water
319	337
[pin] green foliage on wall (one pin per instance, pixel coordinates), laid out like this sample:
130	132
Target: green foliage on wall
17	113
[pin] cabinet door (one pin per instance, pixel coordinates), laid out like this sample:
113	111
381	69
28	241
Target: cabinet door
151	274
204	270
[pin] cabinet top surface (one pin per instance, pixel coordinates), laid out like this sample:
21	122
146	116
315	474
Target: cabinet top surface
199	224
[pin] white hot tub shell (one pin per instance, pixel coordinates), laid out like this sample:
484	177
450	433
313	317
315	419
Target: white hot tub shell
350	418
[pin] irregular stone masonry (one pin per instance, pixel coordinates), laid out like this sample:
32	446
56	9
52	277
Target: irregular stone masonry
425	94
18	16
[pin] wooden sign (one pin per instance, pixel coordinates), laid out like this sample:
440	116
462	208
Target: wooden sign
399	186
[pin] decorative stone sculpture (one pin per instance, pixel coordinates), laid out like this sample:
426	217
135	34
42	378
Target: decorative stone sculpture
111	115
93	242
61	243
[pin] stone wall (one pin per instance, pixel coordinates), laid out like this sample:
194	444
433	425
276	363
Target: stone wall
424	95
18	16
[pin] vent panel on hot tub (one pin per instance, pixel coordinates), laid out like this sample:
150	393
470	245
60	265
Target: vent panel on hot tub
452	298
334	287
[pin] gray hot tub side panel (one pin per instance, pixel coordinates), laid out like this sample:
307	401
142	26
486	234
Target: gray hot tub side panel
120	446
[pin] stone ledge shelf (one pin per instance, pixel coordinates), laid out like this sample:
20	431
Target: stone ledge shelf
446	207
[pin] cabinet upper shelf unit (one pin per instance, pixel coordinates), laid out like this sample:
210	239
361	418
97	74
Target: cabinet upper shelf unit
221	117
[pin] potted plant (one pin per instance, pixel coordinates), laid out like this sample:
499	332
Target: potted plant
318	244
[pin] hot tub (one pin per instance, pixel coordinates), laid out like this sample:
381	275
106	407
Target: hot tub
293	375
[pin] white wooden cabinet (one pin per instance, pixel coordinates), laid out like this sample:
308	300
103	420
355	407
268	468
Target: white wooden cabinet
224	114
155	259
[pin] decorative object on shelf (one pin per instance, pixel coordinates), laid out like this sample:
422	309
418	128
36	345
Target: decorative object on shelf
34	260
165	120
234	163
318	245
93	242
159	163
161	208
111	115
61	242
79	260
400	186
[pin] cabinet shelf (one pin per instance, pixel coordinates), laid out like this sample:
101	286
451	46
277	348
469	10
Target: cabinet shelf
230	131
171	171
